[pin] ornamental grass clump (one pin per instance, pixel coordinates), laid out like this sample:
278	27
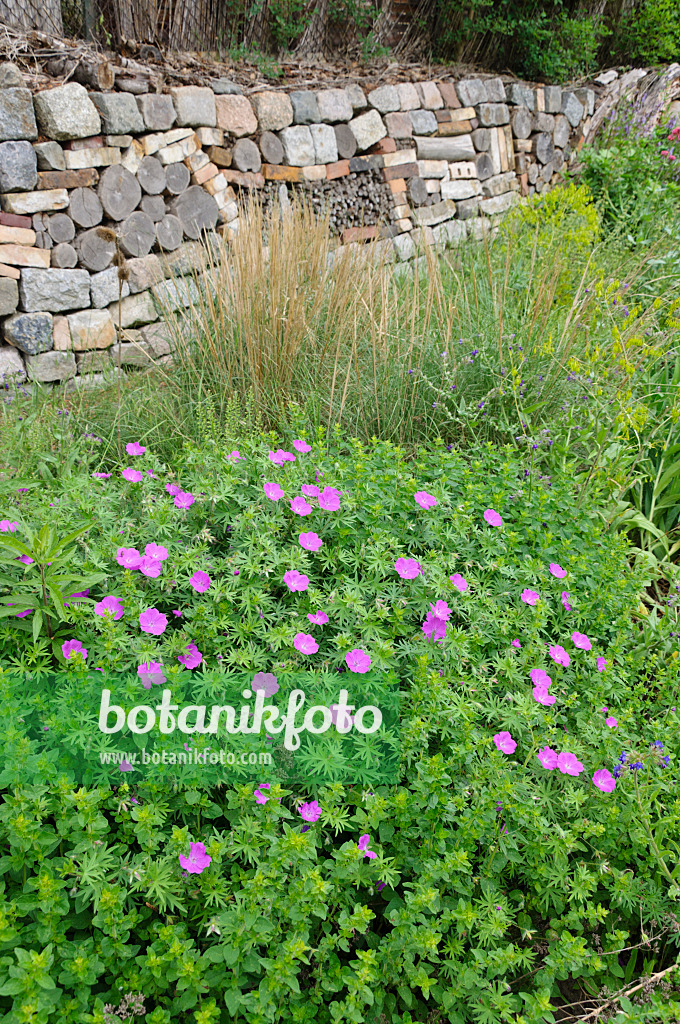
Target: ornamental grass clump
513	866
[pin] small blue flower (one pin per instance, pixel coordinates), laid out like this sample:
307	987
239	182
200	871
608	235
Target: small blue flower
617	771
636	765
658	743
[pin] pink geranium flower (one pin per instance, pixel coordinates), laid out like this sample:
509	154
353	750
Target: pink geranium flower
329	499
548	758
611	722
559	655
363	846
565	600
259	795
184	499
265	681
109	606
129	558
301	446
70	647
601	664
305	643
530	597
151	673
434	626
310	541
300	507
192	658
408	568
358	661
311	490
459	582
581	641
540	678
7	527
505	743
235	455
295	580
150	567
515	643
156	551
604	780
135	448
197	861
200	581
152	621
173	489
273	492
569	764
310	811
541	696
317	618
279	457
492	517
557	570
133	476
101	476
424	499
25	559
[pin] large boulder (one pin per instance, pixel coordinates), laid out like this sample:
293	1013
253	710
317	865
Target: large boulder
17	118
119	112
54	290
67	112
30	332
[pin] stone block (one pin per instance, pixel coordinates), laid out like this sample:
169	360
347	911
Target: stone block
385	99
274	110
17	117
522	95
150	144
94	361
136	310
298	145
235	115
367	129
225	87
210	136
132	353
54	290
552	99
399	124
51	366
495	90
449	94
491	114
67	112
9	296
451	149
356	96
305	108
10	75
159	337
430	96
29	332
188	258
408	96
433	169
144	272
461	189
118	141
119	112
499	183
572	109
450	232
50	156
472	91
401	156
435	214
404	246
91	328
194	106
468	208
422	122
18	167
11	365
176	294
325	146
334	106
498	204
463	169
104	289
158	111
221	156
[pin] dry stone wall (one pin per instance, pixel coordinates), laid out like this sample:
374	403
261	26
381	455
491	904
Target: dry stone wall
426	162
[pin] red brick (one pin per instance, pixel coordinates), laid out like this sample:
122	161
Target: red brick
68	179
400	171
386	145
397	184
277	172
449	94
359	234
94	142
247	179
13	220
338	170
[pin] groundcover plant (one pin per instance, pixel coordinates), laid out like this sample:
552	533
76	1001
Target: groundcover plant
525	860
